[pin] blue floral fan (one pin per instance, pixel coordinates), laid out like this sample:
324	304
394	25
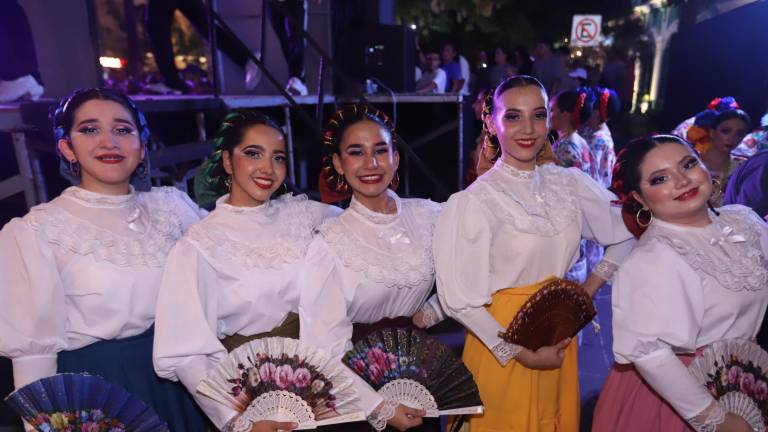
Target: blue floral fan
81	402
417	370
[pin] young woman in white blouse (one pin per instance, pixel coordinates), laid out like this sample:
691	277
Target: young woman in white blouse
514	229
372	266
79	275
696	276
232	277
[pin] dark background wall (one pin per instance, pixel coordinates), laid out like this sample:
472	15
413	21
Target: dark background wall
723	56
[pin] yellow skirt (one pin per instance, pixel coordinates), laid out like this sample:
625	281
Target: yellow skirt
518	399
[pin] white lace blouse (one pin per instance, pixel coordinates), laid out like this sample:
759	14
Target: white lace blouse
235	272
514	228
83	268
363	267
683	288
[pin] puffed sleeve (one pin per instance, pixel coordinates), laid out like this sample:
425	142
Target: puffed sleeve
32	315
461	248
186	345
654	311
323	312
601	219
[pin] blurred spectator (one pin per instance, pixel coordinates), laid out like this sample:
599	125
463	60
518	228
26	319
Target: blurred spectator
433	79
522	60
548	68
454	79
575	79
501	69
19	75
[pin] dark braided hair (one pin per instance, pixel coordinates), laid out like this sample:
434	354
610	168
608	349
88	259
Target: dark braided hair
210	182
626	175
579	103
333	187
607	103
63	118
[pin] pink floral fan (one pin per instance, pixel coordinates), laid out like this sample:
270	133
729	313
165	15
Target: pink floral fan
735	372
284	380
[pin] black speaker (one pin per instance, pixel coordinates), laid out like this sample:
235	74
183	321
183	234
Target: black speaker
383	53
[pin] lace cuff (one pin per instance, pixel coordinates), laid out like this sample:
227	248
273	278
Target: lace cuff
605	269
238	424
431	313
505	352
379	417
709	419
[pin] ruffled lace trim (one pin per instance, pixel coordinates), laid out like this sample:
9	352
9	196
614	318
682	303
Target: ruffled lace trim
411	267
549	209
291	221
734	258
605	269
381	415
505	352
709	419
148	249
375	217
93	199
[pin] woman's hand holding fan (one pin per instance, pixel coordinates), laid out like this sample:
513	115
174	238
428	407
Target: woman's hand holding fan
544	358
406	418
555	313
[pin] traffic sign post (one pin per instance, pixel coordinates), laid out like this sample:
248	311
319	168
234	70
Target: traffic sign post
585	30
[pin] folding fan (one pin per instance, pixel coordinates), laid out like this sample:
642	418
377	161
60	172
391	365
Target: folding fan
735	372
81	402
555	312
284	380
416	370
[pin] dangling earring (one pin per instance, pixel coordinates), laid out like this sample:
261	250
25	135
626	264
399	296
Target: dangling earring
74	168
717	189
341	184
141	169
228	183
285	189
650	217
395	181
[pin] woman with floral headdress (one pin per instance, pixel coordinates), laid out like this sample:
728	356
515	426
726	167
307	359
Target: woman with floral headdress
698	275
232	277
79	276
715	133
371	267
498	242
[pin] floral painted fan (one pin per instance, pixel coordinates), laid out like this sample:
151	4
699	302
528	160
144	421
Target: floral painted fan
735	372
81	402
282	379
416	370
555	312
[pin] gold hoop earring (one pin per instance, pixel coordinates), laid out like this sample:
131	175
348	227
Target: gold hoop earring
650	217
395	181
717	188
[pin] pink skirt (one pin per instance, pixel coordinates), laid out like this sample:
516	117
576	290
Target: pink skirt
628	404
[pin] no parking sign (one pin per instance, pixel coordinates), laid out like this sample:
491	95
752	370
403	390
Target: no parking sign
585	30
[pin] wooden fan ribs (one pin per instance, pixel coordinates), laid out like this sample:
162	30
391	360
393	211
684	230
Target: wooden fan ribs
557	311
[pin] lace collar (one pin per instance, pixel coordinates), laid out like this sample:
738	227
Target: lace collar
543	201
513	172
728	250
405	258
98	200
279	232
146	247
375	217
